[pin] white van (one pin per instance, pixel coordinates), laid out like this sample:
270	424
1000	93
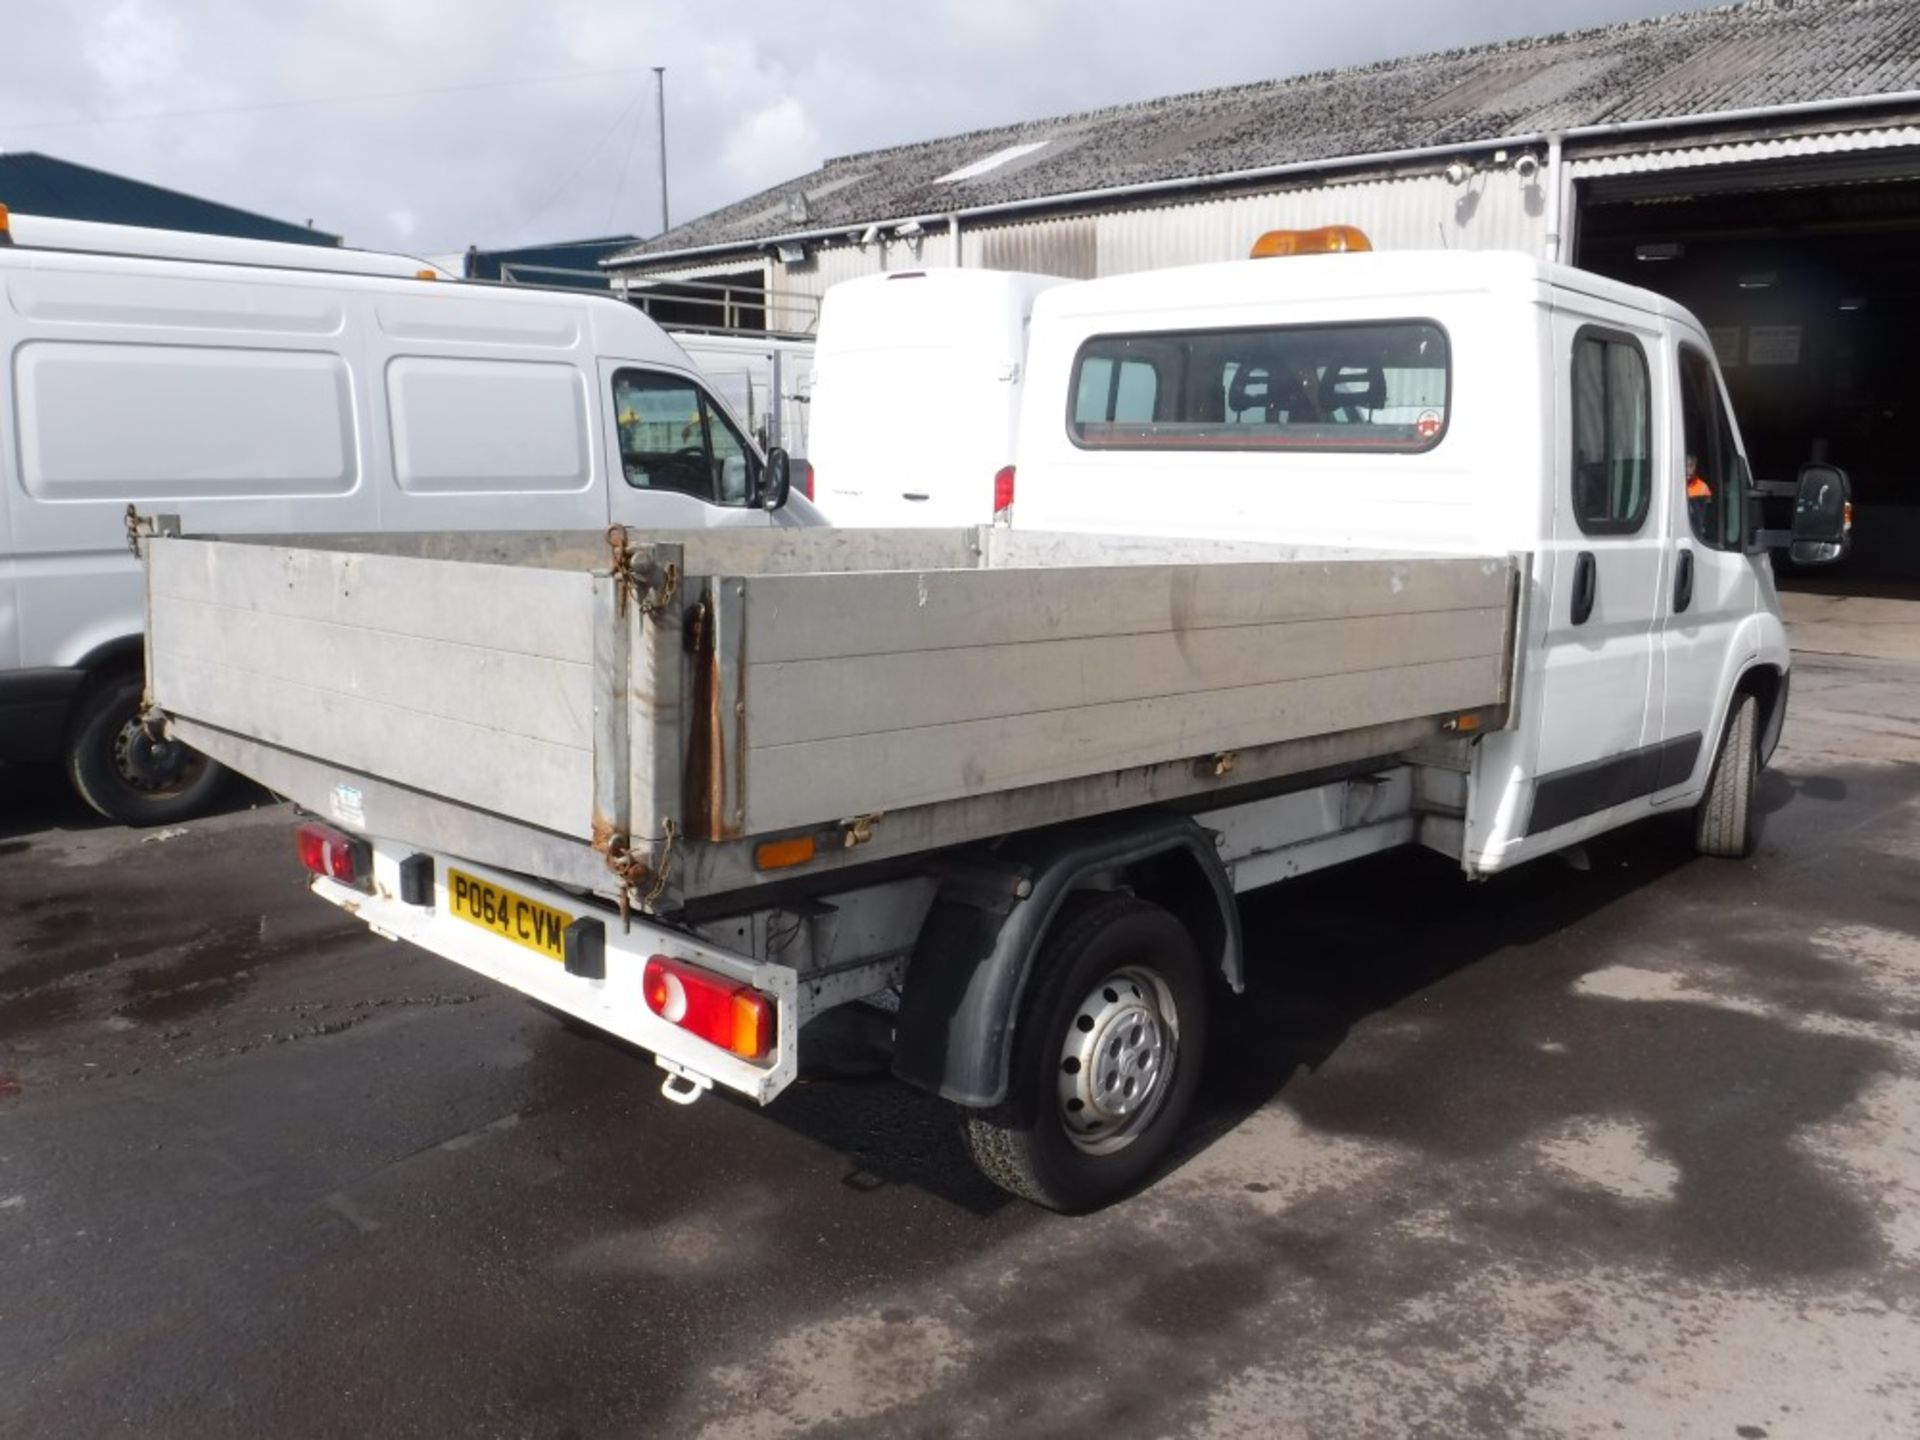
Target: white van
253	386
767	380
916	395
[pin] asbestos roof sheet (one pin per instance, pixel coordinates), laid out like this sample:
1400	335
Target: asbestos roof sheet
1760	54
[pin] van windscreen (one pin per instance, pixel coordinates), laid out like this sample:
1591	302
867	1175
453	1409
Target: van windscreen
1378	386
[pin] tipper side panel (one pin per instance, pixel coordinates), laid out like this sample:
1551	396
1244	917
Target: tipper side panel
879	692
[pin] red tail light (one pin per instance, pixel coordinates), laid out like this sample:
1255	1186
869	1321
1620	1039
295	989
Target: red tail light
806	479
1003	495
335	854
735	1017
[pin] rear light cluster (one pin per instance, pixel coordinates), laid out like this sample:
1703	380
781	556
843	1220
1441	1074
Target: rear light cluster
806	479
335	855
736	1017
1003	496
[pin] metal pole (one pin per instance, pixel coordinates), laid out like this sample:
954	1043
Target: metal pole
660	95
1555	184
776	401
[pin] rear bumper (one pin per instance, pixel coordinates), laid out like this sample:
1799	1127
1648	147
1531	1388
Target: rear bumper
616	1003
34	709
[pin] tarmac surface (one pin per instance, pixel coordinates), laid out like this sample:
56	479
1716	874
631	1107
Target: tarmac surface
1623	1145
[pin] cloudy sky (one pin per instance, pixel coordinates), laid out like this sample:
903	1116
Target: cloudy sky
424	125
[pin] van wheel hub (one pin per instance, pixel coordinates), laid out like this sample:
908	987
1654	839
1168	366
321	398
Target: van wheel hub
1115	1060
151	765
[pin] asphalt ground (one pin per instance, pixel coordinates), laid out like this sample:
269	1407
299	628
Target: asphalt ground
1624	1145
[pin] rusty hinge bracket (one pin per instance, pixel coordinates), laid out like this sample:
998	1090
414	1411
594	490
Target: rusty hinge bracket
859	830
139	527
650	592
643	879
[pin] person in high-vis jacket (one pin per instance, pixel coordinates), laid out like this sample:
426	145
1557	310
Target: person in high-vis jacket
1699	499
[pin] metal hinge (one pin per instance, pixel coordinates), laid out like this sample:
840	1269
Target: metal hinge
651	593
643	878
140	526
859	830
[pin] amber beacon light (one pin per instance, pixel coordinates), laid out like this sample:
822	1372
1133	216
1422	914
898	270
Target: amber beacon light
1327	240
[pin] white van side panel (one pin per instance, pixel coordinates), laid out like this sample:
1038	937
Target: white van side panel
471	427
116	423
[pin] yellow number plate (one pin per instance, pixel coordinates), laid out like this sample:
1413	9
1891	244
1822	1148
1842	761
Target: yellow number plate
513	917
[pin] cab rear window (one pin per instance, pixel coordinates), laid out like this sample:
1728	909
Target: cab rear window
1380	386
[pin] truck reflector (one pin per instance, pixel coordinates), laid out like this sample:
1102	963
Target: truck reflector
1327	240
335	855
737	1018
783	854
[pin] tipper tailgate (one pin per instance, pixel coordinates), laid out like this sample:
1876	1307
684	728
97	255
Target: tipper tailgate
469	681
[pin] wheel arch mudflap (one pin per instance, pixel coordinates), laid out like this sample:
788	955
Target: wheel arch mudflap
978	947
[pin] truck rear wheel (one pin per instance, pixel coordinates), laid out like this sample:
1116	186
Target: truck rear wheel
1723	825
126	774
1106	1058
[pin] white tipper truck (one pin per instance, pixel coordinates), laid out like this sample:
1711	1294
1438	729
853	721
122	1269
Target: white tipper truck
1312	558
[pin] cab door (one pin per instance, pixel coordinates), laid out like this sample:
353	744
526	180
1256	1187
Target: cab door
1599	702
1712	587
676	459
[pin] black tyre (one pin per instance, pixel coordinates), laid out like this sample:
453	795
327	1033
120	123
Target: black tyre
126	774
1725	822
1107	1053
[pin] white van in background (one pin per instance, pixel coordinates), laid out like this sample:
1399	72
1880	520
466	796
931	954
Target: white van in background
917	379
251	386
766	380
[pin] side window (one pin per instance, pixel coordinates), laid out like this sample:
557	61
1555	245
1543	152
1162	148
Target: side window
1116	391
1378	386
1715	488
733	462
1612	433
673	437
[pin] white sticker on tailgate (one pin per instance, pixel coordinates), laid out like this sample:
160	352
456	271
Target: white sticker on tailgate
349	806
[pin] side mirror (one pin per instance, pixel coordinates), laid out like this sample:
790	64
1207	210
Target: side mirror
1822	516
776	481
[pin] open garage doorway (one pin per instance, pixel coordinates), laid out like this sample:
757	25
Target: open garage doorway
1807	276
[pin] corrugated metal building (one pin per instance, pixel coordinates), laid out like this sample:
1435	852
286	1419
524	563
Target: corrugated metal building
568	264
1760	162
36	184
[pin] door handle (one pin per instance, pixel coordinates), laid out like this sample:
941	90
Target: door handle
1586	581
915	495
1683	582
